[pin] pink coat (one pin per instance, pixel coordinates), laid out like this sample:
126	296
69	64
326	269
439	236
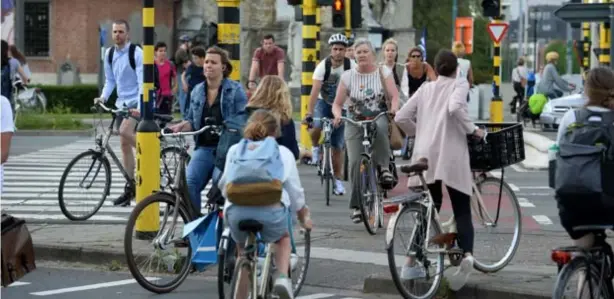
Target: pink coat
437	115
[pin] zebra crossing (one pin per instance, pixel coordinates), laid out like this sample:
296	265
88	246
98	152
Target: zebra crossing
31	181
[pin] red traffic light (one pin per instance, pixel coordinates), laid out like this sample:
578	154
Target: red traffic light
338	5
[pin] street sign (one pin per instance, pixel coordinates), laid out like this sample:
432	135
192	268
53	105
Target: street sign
497	31
464	33
584	12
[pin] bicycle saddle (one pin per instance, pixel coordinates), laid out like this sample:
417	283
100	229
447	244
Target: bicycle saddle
250	225
419	166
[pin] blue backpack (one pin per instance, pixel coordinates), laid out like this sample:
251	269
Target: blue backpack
255	173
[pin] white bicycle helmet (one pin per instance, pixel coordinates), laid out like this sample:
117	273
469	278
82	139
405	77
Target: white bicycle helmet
338	39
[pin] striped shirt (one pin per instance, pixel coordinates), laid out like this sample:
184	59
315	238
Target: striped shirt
366	92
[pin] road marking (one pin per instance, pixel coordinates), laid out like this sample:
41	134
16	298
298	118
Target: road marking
496	174
18	284
513	187
542	219
315	296
90	287
530	194
518	168
525	203
534	187
62	217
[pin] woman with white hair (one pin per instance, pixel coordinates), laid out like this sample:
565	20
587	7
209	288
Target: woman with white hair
551	77
365	88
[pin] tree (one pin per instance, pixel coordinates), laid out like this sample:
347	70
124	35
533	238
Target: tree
560	47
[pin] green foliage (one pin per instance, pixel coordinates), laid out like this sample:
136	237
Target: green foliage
49	121
71	99
561	48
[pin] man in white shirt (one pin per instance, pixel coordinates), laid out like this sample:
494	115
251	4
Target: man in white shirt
7	127
519	80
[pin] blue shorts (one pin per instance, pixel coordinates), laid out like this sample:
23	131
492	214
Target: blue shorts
324	109
274	221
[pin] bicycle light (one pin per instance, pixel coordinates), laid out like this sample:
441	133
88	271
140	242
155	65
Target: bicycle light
560	257
390	209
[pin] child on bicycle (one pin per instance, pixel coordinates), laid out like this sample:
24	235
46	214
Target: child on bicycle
274	218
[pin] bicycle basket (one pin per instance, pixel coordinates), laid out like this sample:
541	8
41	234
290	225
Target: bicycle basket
504	146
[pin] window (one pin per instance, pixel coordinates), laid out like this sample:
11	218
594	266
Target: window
36	29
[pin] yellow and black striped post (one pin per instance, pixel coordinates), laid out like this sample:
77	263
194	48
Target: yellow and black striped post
310	54
229	32
348	18
604	41
319	29
586	44
147	142
496	104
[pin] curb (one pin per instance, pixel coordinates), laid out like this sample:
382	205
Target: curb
53	132
76	254
537	141
385	285
534	159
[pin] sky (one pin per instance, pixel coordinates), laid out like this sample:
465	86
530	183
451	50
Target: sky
515	5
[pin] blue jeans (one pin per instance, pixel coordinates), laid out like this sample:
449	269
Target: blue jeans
323	109
200	170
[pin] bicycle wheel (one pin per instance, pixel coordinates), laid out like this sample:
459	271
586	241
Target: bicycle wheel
433	266
326	173
299	259
170	157
369	194
502	218
91	162
166	259
226	259
242	265
598	284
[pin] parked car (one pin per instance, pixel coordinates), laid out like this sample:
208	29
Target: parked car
555	109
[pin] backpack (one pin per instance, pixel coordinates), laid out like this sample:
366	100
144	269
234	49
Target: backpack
347	64
7	85
231	134
585	160
537	102
131	50
255	173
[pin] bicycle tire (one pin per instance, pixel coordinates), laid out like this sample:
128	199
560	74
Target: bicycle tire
96	156
241	262
169	199
181	153
296	287
365	163
326	174
509	255
225	274
392	259
577	263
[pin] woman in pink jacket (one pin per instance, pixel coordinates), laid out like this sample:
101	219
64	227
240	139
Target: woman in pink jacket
437	113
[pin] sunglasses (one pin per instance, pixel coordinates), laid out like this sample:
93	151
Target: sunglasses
415	56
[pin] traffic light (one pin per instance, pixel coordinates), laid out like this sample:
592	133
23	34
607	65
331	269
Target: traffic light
295	2
491	8
356	14
325	3
338	14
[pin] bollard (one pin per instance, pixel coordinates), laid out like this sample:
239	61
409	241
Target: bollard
319	29
604	41
309	63
229	33
147	143
496	104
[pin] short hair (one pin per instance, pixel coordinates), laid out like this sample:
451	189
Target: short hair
268	36
159	45
446	63
224	57
199	51
122	22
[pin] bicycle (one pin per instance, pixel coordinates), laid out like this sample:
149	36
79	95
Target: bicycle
96	160
177	203
595	265
371	191
262	283
28	100
325	165
420	203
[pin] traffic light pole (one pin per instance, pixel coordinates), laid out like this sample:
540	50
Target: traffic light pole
228	33
586	44
604	41
147	142
496	104
348	18
318	29
310	54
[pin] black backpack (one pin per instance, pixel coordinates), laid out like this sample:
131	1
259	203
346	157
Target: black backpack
585	161
7	85
347	64
131	50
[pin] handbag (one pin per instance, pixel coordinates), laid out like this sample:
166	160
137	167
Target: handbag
395	134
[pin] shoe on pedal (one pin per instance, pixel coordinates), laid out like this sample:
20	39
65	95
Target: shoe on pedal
283	288
315	155
459	278
339	188
356	216
124	199
412	272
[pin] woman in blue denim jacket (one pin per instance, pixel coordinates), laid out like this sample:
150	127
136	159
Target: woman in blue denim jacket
217	99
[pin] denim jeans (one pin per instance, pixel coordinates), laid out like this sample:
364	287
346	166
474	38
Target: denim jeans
200	170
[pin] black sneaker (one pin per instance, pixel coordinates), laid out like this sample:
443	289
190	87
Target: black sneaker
124	199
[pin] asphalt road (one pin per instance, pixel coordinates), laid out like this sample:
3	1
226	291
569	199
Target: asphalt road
77	283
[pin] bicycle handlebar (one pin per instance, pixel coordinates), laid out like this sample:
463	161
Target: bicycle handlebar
167	132
110	110
361	122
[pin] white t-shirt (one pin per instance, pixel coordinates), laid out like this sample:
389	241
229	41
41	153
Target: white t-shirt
519	73
463	68
366	92
6	125
329	88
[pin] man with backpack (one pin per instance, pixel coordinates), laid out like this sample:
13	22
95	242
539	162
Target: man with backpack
324	87
123	70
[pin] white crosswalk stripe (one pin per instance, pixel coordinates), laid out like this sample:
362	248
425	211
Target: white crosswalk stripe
31	181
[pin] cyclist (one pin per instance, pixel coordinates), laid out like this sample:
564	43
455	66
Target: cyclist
274	219
599	89
218	98
273	94
325	81
391	56
519	79
550	78
128	83
441	138
367	98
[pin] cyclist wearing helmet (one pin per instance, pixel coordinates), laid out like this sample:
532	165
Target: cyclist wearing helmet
325	80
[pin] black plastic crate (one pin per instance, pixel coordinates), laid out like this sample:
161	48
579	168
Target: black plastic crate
504	146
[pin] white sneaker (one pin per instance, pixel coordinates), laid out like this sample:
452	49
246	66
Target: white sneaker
315	155
409	272
459	278
339	188
283	288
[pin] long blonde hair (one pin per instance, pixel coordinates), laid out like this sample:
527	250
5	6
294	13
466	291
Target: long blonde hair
273	94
